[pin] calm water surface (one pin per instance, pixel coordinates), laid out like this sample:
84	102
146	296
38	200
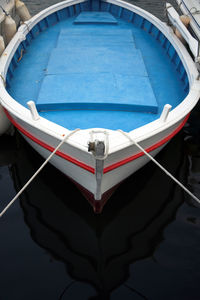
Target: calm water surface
145	245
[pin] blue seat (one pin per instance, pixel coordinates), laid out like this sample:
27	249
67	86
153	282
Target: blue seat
94	17
97	91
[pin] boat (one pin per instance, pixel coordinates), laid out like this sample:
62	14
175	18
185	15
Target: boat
93	81
191	8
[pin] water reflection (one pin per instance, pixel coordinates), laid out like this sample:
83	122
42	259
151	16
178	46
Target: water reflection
192	142
8	150
98	249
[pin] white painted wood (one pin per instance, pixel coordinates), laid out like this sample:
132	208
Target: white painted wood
33	110
165	112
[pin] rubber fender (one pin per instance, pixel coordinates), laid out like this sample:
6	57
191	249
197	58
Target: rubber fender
2	45
22	11
10	28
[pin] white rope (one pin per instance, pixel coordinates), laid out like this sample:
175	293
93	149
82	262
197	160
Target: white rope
160	166
38	171
195	11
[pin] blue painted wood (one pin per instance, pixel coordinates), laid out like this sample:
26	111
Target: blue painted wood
14	60
103	6
25	79
146	25
155	31
96	51
126	14
114	9
137	20
35	31
108	7
91	37
85	6
95	18
85	76
96	60
78	8
12	67
120	12
62	14
95	5
10	73
124	34
186	88
100	91
52	19
71	11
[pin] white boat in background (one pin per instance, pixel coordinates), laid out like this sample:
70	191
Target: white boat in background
191	8
11	13
7	6
102	77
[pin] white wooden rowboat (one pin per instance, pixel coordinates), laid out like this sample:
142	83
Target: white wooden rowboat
109	69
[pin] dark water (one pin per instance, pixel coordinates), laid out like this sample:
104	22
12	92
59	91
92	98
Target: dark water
145	244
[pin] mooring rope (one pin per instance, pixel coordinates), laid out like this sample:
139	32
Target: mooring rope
21	55
160	166
3	79
195	11
38	171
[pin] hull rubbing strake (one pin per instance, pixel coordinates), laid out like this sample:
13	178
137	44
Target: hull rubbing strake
87	167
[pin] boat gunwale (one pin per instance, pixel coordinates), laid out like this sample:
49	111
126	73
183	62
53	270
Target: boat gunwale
139	134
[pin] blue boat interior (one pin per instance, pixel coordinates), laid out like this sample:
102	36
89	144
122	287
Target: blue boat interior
97	65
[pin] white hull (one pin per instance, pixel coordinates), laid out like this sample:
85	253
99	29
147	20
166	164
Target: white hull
117	166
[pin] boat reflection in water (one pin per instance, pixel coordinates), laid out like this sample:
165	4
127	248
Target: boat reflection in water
98	249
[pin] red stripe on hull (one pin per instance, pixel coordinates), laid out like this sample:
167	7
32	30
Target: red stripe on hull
50	148
87	167
153	147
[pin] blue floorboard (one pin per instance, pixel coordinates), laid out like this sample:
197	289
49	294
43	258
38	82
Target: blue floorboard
103	91
96	60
